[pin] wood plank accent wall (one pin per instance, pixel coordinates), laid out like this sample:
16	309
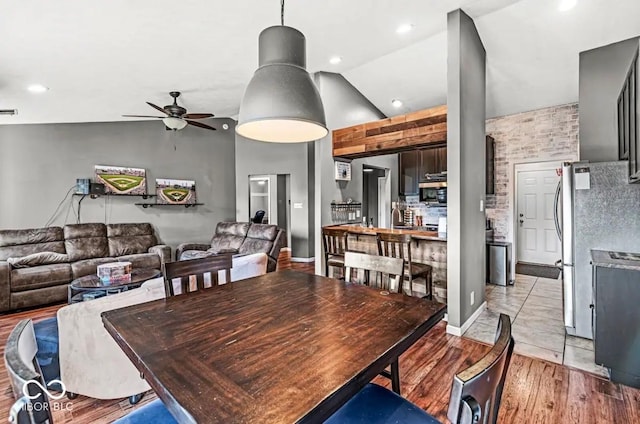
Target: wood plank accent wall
392	135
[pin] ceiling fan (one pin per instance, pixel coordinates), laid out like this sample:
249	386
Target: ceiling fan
177	117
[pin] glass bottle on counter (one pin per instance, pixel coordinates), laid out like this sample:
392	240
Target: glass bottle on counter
370	222
364	221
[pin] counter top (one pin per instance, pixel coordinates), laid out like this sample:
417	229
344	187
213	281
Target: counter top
366	231
603	258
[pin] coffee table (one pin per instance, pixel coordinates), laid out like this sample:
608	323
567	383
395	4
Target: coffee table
91	287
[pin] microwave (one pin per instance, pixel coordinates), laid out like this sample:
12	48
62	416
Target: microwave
429	191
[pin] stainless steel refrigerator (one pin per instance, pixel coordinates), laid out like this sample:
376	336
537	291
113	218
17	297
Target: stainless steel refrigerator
596	208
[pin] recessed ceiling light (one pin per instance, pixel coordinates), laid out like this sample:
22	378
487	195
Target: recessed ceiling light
37	88
566	5
396	103
335	60
404	28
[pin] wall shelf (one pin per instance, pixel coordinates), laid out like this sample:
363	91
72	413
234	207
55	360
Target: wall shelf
95	196
151	205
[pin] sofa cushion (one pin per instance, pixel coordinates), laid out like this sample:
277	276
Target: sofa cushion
36	259
127	230
142	260
88	266
23	279
251	245
194	254
232	229
119	246
18	243
263	232
86	241
225	242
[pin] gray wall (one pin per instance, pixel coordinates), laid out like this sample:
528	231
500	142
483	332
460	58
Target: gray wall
466	101
602	73
258	158
344	106
40	163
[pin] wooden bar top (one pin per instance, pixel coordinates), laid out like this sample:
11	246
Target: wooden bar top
366	231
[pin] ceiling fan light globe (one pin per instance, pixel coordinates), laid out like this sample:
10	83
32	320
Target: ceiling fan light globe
174	123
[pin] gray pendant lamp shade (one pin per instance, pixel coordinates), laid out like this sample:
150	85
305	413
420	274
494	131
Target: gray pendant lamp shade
281	103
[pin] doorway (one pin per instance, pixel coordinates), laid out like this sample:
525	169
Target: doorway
376	195
271	194
536	238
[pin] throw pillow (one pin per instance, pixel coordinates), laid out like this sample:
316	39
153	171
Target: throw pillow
40	258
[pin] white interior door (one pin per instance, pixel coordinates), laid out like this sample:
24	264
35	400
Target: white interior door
537	239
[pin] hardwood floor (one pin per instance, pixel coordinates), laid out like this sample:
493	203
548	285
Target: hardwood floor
536	391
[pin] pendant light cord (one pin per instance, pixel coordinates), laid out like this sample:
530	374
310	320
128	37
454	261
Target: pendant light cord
282	12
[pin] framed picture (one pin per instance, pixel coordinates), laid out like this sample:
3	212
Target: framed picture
343	171
122	180
175	192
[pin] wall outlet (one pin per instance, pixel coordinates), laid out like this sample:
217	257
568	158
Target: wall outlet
473	298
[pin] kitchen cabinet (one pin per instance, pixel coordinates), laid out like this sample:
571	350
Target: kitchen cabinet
409	165
433	161
628	109
491	167
616	316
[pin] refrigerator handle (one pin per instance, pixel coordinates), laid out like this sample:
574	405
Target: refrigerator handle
556	214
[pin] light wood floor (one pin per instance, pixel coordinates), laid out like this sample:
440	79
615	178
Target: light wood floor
536	391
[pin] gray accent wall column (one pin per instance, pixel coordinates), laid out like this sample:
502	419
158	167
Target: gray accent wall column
466	101
602	74
261	158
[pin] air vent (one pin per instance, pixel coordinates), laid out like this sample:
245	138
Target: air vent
8	111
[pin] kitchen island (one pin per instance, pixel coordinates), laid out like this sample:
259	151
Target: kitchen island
427	247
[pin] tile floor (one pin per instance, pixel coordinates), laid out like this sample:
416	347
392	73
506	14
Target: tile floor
535	307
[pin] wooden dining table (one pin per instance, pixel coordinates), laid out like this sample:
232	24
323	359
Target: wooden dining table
285	347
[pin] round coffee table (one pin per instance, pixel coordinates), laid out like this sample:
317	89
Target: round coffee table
91	287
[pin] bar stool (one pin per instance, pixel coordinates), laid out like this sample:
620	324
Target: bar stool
399	246
334	242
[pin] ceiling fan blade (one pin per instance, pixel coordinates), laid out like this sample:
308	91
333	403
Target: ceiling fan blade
143	116
158	108
198	115
199	124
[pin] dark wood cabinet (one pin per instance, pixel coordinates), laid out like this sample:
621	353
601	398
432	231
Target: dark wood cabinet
491	167
627	111
409	164
433	161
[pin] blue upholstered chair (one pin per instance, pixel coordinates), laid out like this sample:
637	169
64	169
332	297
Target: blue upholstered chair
475	394
22	366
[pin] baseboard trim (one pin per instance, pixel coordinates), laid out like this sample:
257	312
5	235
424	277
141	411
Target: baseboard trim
459	331
306	260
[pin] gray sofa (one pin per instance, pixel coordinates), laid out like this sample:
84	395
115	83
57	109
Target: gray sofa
241	238
36	265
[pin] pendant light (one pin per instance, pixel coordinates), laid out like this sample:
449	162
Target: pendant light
281	103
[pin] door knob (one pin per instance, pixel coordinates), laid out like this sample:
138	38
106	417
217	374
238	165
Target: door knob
521	215
521	221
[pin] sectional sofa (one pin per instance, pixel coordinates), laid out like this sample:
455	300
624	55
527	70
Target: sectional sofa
36	265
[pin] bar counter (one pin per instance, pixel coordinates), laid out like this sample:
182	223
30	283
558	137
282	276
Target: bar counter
427	247
416	234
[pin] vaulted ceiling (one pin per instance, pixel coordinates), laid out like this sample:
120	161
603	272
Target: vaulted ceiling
104	59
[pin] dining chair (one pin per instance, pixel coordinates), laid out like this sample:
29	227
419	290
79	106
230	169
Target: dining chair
387	275
335	244
196	269
399	246
376	271
475	393
29	387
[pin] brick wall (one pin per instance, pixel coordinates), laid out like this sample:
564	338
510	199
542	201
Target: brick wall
537	136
